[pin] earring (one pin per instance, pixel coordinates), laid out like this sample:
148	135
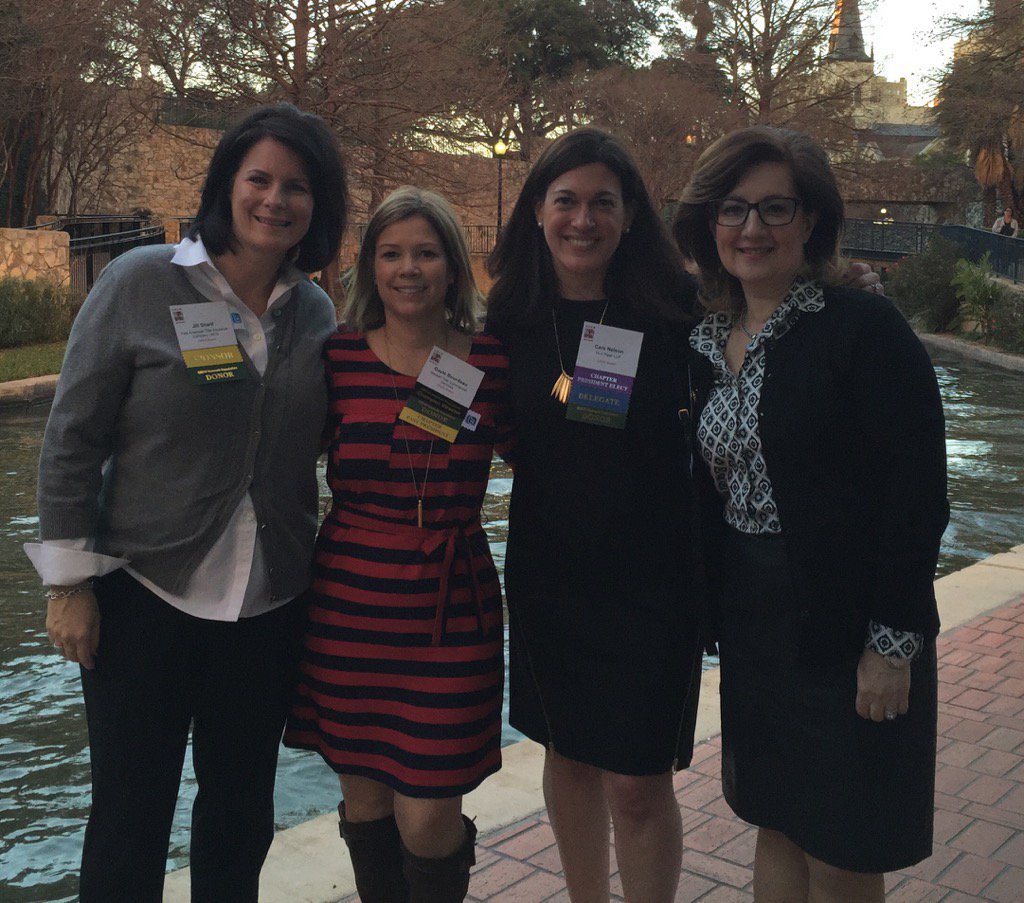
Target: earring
540	225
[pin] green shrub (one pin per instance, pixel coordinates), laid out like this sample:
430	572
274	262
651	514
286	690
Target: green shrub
1008	317
922	286
978	293
34	311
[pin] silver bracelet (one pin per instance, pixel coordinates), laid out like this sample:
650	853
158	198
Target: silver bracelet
52	594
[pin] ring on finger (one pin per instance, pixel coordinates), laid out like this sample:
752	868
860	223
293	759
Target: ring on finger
891	714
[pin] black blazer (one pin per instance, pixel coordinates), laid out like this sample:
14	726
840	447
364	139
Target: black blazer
853	436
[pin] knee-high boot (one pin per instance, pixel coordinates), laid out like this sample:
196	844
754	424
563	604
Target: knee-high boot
444	880
375	848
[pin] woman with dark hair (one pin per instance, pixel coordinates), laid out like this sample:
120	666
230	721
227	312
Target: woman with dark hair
600	563
178	506
1006	224
823	490
401	676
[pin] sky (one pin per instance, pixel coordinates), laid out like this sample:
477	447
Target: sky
901	32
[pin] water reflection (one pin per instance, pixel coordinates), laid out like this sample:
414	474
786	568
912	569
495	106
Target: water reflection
43	753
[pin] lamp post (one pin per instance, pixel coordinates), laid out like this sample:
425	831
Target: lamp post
500	148
690	142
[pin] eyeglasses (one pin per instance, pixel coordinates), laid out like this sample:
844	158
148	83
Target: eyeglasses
774	211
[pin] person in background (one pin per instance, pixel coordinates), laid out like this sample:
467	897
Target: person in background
1006	224
178	508
401	677
823	494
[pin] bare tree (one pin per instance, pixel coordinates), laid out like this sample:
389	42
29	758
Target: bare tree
64	115
180	42
392	77
666	113
769	55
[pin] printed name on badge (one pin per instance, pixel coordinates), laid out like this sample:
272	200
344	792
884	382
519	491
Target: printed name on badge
602	381
206	337
444	391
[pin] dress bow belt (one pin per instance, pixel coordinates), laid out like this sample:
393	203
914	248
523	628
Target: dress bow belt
456	542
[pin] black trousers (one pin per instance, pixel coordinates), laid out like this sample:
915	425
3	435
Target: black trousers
158	672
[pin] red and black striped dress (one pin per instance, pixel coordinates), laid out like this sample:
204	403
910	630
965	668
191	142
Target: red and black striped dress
401	672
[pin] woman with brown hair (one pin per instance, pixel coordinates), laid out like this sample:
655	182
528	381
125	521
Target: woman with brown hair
601	559
823	491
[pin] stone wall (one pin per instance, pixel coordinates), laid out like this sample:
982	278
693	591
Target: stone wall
35	254
161	171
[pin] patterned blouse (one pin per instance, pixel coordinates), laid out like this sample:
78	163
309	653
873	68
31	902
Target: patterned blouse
730	440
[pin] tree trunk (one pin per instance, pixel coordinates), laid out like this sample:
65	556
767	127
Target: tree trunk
1007	196
988	200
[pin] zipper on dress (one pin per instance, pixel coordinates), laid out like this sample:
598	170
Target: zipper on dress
679	734
696	673
536	683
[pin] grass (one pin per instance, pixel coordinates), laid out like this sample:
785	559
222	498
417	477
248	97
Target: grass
31	360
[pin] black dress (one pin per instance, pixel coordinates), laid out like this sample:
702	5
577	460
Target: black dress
850	425
604	660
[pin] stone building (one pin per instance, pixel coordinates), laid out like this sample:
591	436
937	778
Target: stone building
887	125
903	182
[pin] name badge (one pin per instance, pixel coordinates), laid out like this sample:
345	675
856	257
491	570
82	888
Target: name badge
445	388
602	381
206	336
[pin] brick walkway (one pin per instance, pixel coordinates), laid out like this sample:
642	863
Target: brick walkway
979	818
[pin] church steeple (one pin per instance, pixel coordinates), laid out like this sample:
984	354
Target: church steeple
846	43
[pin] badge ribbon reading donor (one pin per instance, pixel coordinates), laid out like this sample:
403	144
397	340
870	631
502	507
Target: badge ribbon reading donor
207	341
444	391
602	381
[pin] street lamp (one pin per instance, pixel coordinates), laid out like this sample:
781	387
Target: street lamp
500	148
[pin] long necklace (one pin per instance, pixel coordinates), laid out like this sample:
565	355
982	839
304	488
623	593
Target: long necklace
419	488
563	384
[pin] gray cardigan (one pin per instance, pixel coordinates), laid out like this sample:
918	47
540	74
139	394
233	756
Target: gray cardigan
153	465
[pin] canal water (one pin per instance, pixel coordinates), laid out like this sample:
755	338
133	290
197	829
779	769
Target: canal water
44	761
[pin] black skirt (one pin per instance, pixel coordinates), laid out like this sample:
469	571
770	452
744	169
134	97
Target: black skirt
796	757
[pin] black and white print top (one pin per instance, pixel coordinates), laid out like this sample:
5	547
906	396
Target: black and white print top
727	432
730	441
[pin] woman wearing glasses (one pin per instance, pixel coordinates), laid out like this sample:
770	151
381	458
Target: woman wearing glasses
820	432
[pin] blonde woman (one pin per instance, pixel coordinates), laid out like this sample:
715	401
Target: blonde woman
401	682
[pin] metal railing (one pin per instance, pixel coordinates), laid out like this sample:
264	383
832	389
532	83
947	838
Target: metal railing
1006	254
885	240
87	225
892	241
91	253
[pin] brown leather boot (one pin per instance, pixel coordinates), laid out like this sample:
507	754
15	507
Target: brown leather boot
375	848
444	880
